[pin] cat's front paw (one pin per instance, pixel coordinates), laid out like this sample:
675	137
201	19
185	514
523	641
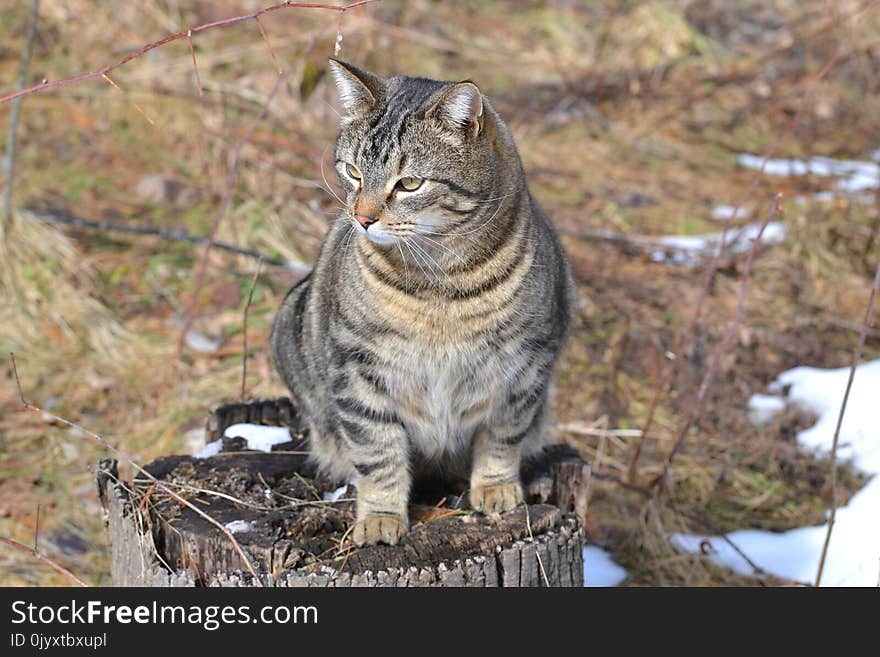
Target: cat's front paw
496	498
379	528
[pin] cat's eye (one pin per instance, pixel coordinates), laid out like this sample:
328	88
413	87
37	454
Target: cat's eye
353	171
410	183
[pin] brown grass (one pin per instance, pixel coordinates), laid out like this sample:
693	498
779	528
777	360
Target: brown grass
628	117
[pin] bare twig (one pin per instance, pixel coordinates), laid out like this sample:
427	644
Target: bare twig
269	45
587	430
857	354
244	319
227	194
707	525
192	51
227	197
221	211
174	37
718	352
687	333
159	484
37	528
16	114
175	235
39	555
537	554
136	106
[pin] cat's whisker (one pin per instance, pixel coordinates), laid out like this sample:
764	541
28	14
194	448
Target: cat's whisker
437	272
405	269
329	189
469	232
432	263
483	225
418	260
494	198
347	240
415	259
445	248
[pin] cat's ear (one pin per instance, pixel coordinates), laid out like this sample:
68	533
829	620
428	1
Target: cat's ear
358	89
460	109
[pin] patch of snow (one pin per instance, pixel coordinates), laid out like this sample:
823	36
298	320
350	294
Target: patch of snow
762	408
690	249
724	212
336	494
853	175
854	551
258	437
210	449
201	342
238	526
599	569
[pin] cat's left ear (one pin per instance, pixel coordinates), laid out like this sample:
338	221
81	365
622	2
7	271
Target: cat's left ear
358	90
460	109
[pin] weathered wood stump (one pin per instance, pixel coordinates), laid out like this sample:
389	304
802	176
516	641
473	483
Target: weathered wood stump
274	505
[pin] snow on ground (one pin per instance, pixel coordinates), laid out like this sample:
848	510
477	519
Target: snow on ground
690	249
852	175
238	526
210	449
854	552
725	212
332	496
599	569
258	437
762	408
854	178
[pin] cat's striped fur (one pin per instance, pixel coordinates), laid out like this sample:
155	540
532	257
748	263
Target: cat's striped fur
426	334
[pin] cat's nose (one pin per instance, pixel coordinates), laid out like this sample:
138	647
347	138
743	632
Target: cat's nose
365	220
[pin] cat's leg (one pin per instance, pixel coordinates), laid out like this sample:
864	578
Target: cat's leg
380	455
497	458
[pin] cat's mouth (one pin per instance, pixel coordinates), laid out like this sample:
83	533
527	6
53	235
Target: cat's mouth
376	234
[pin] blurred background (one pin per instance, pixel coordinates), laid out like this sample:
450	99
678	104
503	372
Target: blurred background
642	126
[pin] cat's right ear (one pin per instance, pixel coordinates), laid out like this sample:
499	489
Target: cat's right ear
358	90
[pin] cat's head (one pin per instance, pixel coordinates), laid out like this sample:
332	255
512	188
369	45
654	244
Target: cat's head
415	156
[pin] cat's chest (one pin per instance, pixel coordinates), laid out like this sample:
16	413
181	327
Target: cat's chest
444	393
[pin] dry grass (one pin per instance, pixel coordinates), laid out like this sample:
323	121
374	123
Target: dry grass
628	117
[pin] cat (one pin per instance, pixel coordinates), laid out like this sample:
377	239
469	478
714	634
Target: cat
425	336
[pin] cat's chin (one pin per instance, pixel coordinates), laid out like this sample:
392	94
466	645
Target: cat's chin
382	239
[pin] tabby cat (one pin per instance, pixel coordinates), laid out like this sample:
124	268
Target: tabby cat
425	336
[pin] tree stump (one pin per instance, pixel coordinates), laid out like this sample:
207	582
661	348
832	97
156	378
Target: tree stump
274	505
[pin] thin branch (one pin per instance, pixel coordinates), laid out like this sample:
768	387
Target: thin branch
174	37
537	554
686	334
37	528
159	484
16	114
227	196
224	207
175	235
707	525
244	319
857	355
136	106
192	51
269	45
39	555
718	352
